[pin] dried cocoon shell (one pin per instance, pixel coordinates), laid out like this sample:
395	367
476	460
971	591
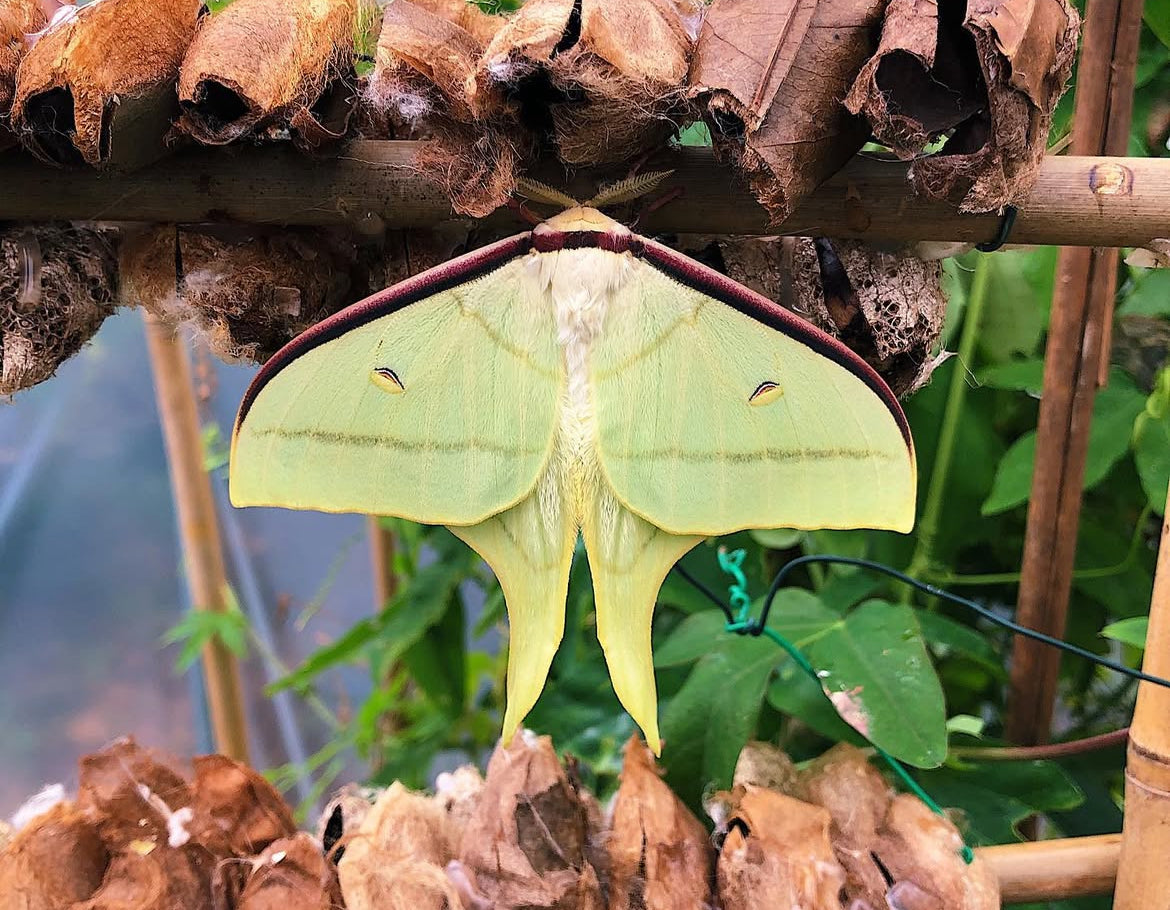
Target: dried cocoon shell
769	79
263	66
397	857
342	817
888	307
18	19
292	874
526	843
777	854
99	88
57	286
458	793
55	860
131	795
235	810
148	877
660	856
482	26
604	81
248	295
989	78
768	766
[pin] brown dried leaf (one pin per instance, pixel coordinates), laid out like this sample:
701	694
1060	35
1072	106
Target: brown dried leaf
249	295
777	854
56	859
660	855
57	286
292	874
1025	52
154	878
99	88
264	65
888	307
236	811
18	18
526	844
770	78
603	81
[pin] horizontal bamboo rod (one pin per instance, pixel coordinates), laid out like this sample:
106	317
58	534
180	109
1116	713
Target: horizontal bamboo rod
1054	869
1075	201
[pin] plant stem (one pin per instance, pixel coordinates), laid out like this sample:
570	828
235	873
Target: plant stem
928	526
1047	751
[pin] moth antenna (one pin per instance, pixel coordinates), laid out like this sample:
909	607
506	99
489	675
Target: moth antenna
542	192
630	188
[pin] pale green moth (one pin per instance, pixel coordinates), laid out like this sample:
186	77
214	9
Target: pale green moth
577	379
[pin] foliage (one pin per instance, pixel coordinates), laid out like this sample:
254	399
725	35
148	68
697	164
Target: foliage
200	627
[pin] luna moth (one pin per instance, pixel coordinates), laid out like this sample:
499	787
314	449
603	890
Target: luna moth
576	379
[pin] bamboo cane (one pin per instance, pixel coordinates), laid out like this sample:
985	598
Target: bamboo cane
1081	311
198	529
382	560
1054	869
1143	878
1075	200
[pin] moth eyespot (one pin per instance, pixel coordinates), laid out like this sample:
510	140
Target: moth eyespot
387	380
765	393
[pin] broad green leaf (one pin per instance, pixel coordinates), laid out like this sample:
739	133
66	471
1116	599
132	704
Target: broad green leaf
1151	447
1150	295
1157	16
795	693
840	592
696	134
947	636
1129	631
1101	542
1114	412
694	637
996	796
706	724
779	539
1015	314
1015	375
875	669
437	661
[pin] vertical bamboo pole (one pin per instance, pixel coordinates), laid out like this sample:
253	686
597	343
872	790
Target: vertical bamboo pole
1081	312
382	561
198	529
1143	877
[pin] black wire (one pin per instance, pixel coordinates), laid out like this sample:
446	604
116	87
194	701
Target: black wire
756	626
705	591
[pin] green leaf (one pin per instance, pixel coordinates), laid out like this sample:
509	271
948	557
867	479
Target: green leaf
875	668
1129	631
199	627
948	636
696	134
1114	412
1151	444
1015	314
1157	16
694	637
1150	295
996	796
1015	375
967	724
779	539
795	693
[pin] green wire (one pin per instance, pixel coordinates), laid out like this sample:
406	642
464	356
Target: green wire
741	602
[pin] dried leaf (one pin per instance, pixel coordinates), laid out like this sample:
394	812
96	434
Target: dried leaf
526	843
54	860
99	88
660	856
770	79
262	66
777	854
291	874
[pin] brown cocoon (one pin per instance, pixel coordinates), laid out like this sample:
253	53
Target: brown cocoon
888	307
660	856
99	88
262	66
128	792
764	765
604	81
292	874
236	811
154	878
526	844
55	860
777	854
458	793
770	78
397	857
247	296
57	286
991	77
342	817
18	18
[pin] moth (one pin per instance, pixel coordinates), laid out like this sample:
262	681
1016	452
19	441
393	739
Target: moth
578	379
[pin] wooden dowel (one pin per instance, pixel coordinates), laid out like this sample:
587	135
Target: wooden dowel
1054	869
382	562
198	529
1075	201
1081	311
1143	879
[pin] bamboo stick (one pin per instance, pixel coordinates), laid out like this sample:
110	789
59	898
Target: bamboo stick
1076	200
1054	869
1143	878
1081	311
382	561
198	529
